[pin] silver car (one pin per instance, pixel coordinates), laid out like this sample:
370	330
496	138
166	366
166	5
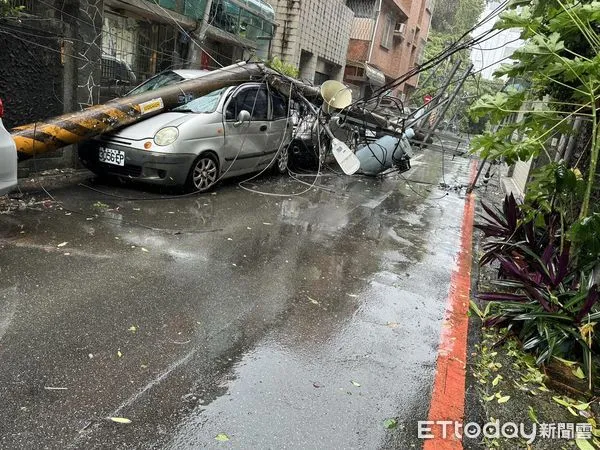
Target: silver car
229	132
8	158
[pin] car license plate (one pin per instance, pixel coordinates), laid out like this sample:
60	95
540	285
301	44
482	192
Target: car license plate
110	156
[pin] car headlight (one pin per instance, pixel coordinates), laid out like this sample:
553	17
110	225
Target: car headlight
166	136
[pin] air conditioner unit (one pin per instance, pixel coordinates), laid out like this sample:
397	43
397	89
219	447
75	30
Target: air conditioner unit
400	27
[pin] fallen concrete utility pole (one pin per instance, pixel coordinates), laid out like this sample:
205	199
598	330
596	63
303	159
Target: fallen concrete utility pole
75	127
441	115
433	104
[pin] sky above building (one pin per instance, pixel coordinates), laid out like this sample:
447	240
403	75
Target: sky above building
497	48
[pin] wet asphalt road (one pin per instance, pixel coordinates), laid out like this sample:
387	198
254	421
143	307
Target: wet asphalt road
282	322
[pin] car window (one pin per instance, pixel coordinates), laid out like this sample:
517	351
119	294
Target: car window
206	104
253	99
280	109
160	80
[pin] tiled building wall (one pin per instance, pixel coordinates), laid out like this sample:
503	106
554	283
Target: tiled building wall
316	29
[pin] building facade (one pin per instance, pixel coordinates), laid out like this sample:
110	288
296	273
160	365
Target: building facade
387	40
233	30
313	35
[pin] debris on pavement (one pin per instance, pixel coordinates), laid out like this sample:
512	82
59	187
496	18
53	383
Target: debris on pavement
122	420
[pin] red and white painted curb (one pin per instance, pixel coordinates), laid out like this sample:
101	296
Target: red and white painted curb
448	396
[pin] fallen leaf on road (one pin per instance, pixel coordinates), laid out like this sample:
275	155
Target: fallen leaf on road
583	444
504	399
52	388
144	250
355	383
132	328
62	244
317	385
496	380
313	301
352	295
120	419
532	414
578	373
267	223
221	437
119	354
391	325
229	239
581	406
390	424
566	362
561	402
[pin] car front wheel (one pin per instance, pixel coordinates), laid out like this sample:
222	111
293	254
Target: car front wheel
281	163
203	174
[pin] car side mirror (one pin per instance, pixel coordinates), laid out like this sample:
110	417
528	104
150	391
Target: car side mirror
243	116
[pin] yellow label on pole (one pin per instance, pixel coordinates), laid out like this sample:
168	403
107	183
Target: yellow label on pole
155	104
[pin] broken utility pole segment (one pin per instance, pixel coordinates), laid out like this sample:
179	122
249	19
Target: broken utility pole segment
75	127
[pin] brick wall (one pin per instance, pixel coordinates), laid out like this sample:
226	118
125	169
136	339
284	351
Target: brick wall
358	50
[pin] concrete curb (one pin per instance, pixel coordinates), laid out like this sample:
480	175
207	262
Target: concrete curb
448	397
53	179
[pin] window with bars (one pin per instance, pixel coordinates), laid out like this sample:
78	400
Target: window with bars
388	31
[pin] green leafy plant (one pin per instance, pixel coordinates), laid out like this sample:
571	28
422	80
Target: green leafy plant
7	9
545	294
561	62
282	67
547	249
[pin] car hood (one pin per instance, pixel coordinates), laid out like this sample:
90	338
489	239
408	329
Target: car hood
146	129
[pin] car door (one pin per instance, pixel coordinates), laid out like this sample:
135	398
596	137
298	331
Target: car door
245	143
280	127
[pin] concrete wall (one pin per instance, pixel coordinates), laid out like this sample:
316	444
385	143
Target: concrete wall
37	81
31	71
